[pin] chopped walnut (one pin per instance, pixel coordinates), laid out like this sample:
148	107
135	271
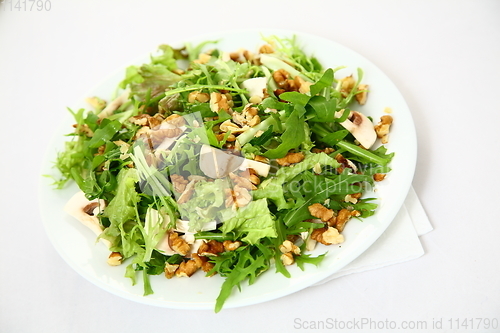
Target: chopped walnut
346	85
327	236
287	259
230	137
266	48
362	95
262	159
203	58
115	259
280	77
254	179
210	248
248	116
327	150
288	246
145	120
178	244
345	163
290	158
242	181
321	212
175	120
230	245
341	219
186	268
170	270
378	177
219	102
237	197
179	183
198	96
382	128
202	262
229	126
352	198
187	193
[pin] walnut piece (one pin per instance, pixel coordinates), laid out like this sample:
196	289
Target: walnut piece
202	262
197	96
321	212
175	120
327	236
382	128
219	102
115	259
186	268
378	177
288	246
170	270
178	244
287	259
266	48
343	216
362	95
231	245
290	158
179	183
210	248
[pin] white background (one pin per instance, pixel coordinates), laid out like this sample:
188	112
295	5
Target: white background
443	55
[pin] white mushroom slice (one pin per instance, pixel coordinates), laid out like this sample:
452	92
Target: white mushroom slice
262	169
114	105
361	128
86	212
216	163
163	246
188	237
255	86
195	246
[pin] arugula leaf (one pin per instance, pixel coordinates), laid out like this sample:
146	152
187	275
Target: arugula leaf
291	138
324	82
245	265
263	138
308	259
272	188
323	109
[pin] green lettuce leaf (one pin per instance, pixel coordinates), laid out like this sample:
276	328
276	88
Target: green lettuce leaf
254	220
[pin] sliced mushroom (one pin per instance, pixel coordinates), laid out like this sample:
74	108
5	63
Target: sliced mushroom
255	86
216	163
361	128
114	105
163	245
86	212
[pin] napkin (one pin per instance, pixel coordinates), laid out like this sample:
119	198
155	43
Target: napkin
399	243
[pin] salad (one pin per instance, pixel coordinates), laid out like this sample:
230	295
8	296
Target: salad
237	162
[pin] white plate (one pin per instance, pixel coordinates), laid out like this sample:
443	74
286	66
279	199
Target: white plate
76	244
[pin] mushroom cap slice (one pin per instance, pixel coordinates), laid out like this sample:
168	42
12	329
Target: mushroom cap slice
255	86
361	128
86	212
216	163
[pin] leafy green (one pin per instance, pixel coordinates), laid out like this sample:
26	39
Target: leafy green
254	221
291	138
272	188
